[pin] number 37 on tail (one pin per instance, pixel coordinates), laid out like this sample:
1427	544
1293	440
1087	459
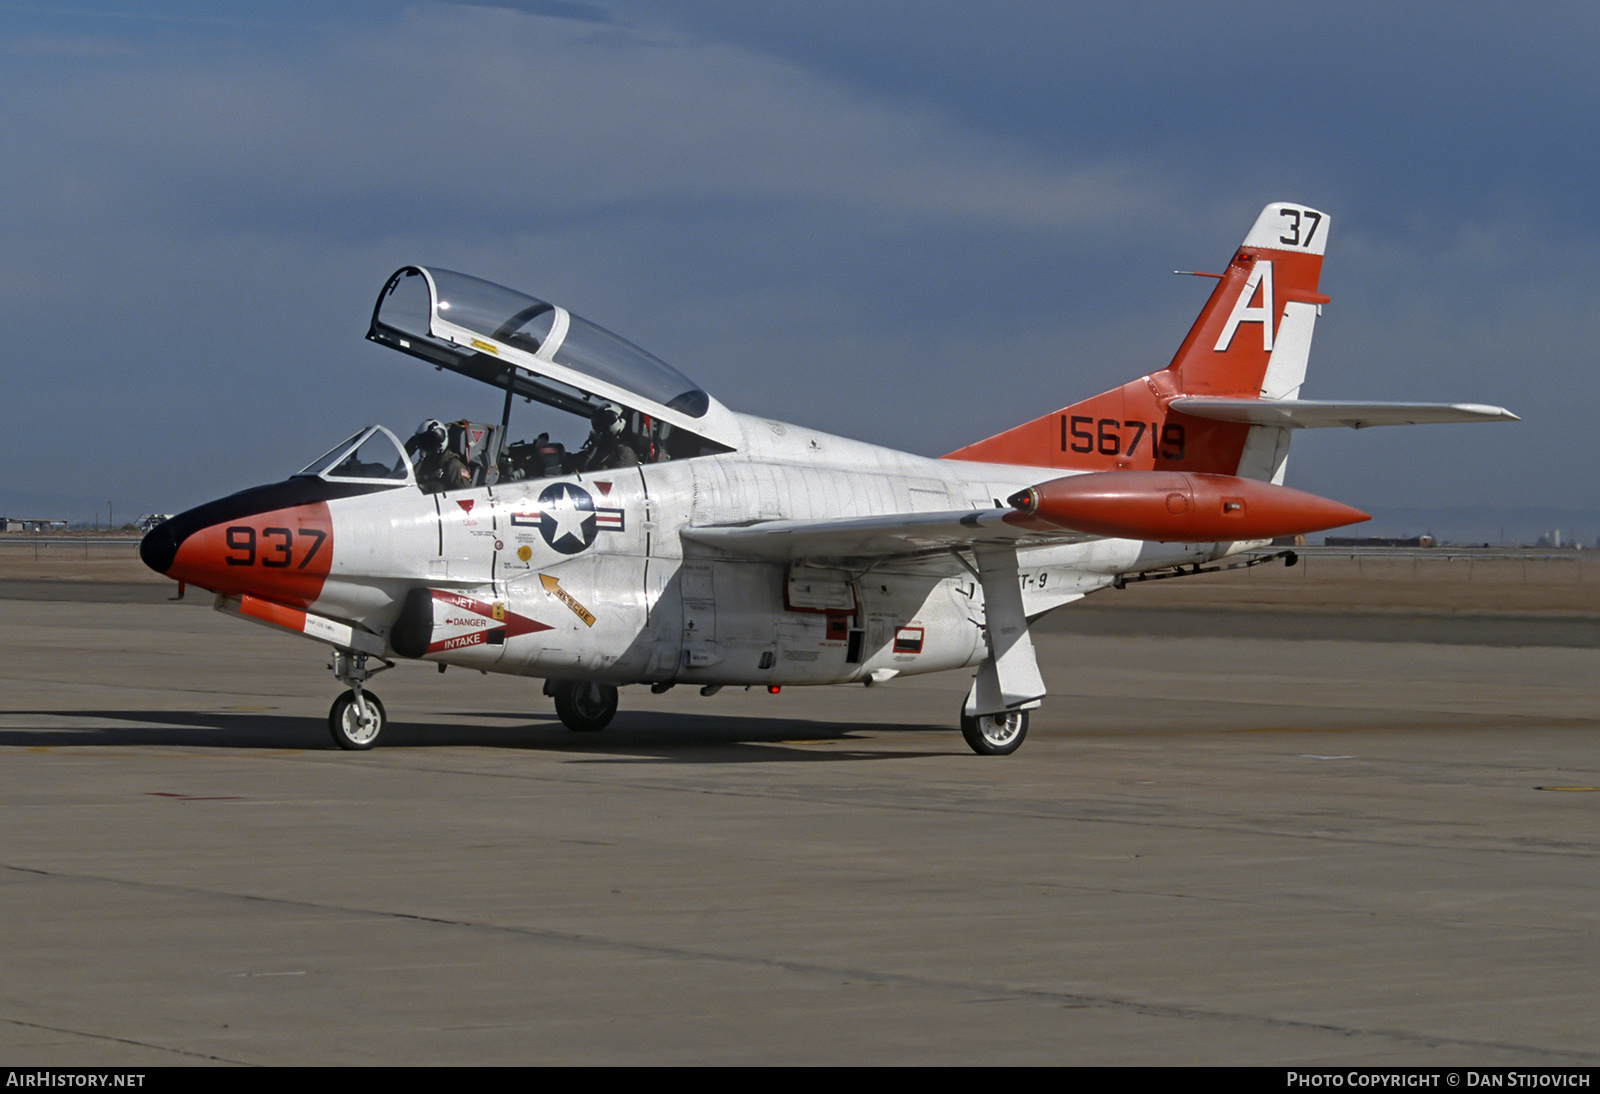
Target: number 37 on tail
607	522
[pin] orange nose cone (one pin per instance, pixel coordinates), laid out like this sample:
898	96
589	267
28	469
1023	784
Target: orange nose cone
273	542
1172	506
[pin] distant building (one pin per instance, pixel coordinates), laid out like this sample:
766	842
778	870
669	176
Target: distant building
30	524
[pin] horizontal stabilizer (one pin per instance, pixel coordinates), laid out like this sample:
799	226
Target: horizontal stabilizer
1311	414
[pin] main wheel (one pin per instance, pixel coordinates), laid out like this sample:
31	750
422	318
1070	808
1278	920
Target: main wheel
583	706
995	734
344	721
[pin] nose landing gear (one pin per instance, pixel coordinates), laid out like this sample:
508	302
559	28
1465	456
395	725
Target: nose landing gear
356	718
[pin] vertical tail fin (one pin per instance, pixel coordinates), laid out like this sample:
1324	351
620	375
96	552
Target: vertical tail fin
1251	340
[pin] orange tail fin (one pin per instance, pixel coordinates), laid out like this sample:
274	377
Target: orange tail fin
1251	340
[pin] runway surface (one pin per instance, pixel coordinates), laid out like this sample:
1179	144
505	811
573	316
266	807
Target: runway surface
1211	849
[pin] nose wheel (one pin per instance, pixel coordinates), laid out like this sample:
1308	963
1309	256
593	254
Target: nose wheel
357	717
352	726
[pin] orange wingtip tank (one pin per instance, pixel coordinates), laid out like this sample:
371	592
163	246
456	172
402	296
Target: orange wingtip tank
1172	506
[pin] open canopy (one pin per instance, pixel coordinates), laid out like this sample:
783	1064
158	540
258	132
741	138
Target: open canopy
536	350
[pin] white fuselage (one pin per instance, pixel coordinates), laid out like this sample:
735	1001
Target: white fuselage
619	595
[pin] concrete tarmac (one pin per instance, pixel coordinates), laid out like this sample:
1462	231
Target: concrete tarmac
1214	849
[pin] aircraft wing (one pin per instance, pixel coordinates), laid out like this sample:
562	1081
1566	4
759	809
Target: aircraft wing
890	535
1311	414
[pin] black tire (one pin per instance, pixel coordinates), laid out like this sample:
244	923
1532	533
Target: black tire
995	734
584	707
344	722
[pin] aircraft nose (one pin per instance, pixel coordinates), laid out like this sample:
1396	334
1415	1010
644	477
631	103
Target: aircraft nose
271	541
159	547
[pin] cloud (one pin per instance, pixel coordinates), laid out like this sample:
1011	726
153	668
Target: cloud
494	114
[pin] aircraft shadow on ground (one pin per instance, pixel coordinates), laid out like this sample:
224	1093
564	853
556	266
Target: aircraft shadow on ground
631	738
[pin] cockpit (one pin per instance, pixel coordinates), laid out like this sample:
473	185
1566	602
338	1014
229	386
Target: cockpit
632	408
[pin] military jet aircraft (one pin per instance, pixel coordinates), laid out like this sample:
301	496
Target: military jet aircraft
684	543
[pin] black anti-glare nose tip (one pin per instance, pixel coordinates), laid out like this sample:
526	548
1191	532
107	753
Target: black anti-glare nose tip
159	547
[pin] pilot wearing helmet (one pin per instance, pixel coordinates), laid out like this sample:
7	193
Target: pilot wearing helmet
607	446
438	468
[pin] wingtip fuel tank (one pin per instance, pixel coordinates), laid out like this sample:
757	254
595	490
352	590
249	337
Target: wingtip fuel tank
1180	507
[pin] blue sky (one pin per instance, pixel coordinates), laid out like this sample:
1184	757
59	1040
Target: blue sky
913	224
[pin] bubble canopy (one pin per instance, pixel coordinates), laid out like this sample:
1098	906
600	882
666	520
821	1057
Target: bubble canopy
535	349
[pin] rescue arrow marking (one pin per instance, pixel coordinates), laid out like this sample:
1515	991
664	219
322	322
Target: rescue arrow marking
553	587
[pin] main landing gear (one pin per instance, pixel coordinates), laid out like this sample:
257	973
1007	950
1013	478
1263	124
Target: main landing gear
357	717
583	706
995	734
